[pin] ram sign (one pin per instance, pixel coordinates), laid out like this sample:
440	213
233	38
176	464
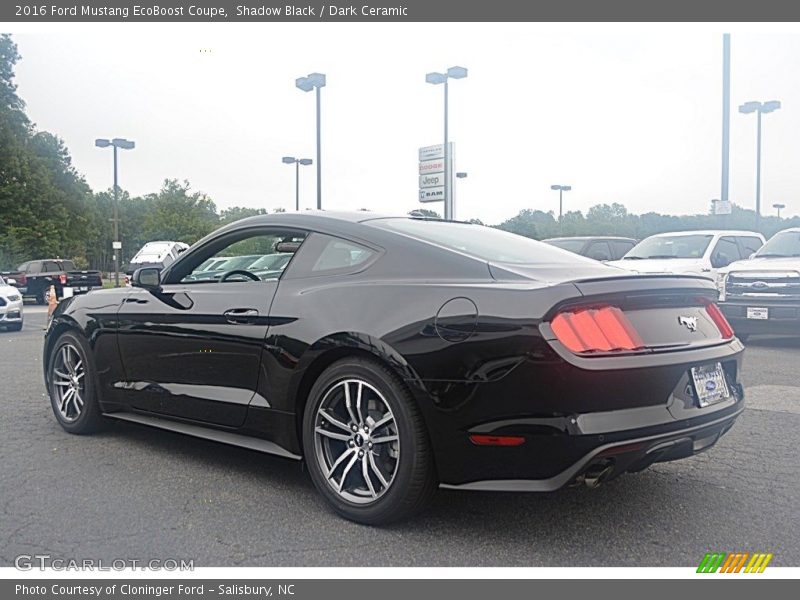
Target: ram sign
434	194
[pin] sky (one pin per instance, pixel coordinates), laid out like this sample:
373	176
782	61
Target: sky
628	114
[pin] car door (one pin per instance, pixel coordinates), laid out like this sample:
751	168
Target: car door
725	252
621	248
192	349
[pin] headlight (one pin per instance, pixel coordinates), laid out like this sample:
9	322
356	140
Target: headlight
14	298
722	280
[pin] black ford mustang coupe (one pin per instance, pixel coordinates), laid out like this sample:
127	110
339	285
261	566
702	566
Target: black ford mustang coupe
394	355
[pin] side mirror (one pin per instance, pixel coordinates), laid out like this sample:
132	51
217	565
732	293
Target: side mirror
10	281
148	278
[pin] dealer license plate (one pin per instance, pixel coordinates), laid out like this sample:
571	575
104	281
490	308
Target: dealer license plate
710	384
759	313
83	288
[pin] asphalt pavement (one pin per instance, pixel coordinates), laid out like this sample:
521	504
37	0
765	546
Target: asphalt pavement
137	493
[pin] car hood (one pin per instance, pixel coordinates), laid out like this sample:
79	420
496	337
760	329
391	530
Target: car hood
8	290
661	265
790	263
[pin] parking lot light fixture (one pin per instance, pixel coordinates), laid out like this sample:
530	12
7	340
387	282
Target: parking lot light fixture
310	82
760	108
291	160
122	144
436	79
560	189
779	207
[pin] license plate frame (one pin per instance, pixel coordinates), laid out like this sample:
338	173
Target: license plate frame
710	384
758	313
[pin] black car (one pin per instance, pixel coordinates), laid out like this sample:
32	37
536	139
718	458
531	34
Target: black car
597	247
395	355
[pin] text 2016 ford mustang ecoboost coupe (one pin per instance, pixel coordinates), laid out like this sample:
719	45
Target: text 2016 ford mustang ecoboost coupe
395	355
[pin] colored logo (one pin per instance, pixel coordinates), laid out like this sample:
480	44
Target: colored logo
735	562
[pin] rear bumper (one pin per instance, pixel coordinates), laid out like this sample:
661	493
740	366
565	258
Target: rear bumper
784	318
631	454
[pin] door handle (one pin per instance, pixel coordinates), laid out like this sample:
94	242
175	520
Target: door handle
240	315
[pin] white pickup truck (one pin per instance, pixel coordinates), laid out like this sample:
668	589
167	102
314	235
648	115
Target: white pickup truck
762	294
699	252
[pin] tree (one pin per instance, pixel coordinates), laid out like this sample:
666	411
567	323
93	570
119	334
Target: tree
177	215
229	215
531	223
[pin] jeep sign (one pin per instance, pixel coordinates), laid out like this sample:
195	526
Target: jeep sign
431	180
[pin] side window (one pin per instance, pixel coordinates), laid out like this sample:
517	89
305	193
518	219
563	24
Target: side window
23	267
599	251
50	267
621	248
749	245
725	252
327	255
254	256
339	254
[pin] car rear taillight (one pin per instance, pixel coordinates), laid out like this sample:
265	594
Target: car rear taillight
22	279
720	321
597	329
63	279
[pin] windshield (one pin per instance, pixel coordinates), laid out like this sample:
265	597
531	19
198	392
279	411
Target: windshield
571	245
783	243
485	243
673	246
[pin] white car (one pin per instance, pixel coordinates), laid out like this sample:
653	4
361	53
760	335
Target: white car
10	306
697	252
762	295
155	254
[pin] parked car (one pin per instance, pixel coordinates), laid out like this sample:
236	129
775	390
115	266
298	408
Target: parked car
11	307
395	354
700	252
598	247
762	295
155	254
35	277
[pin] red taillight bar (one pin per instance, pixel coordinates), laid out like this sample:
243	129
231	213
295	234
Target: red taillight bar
62	279
601	329
496	440
720	321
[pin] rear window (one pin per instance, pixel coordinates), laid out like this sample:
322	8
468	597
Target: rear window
485	243
571	245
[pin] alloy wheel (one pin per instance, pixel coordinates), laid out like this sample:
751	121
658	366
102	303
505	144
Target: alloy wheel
68	379
356	441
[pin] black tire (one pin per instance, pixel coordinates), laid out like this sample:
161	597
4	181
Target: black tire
413	481
88	418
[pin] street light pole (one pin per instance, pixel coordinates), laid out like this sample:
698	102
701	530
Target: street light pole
760	108
297	162
778	207
437	78
561	189
319	151
116	143
116	222
309	82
